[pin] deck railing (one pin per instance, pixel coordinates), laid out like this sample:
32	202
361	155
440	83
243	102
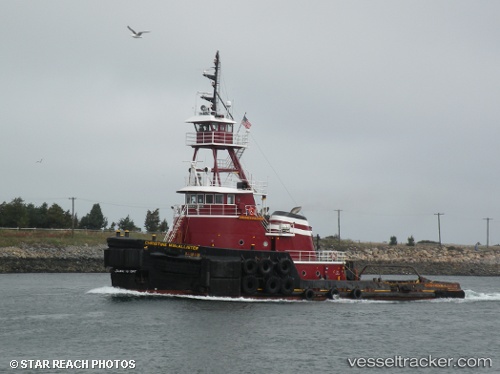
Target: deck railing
320	256
203	179
216	137
206	210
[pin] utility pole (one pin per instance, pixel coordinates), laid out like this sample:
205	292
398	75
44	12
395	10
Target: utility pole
338	220
487	231
72	215
439	225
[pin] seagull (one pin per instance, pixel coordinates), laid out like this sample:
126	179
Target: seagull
39	161
136	35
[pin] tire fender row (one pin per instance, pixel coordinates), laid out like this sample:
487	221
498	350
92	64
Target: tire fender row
271	277
309	294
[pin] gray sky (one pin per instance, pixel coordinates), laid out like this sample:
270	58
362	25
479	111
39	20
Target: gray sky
387	110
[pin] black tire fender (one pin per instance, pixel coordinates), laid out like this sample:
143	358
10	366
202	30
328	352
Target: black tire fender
265	266
287	286
356	294
249	266
333	293
309	294
249	284
284	266
272	285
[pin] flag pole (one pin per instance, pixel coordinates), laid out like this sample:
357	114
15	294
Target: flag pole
240	123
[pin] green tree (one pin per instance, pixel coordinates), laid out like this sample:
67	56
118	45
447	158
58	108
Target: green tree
76	221
152	222
95	220
164	226
393	241
38	215
42	214
411	241
14	214
127	224
2	213
57	218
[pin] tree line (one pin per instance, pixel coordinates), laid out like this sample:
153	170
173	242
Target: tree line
19	214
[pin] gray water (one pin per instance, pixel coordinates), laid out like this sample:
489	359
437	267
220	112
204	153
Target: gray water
80	319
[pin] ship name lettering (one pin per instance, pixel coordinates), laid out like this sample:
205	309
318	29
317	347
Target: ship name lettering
156	244
183	246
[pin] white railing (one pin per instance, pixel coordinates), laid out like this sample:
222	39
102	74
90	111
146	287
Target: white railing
206	210
320	256
216	137
258	187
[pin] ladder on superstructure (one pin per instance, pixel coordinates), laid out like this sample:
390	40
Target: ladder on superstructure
229	163
172	233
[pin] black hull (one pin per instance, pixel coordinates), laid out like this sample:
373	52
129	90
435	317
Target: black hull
158	267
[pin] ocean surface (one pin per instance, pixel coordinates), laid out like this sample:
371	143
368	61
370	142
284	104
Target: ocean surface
77	323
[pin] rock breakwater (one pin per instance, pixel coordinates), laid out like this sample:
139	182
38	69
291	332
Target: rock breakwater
431	260
52	259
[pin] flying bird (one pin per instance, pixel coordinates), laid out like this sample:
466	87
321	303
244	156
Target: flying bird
136	34
39	161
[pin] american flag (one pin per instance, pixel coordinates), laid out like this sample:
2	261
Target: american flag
245	122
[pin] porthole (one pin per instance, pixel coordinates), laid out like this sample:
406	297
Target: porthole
265	244
304	273
318	274
241	242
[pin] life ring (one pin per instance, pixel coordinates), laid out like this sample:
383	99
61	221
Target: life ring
249	266
272	285
309	294
249	284
356	293
251	211
287	286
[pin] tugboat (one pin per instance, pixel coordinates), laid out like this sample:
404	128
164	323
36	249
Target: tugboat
224	242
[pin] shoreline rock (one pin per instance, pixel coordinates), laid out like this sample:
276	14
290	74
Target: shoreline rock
426	259
430	260
52	259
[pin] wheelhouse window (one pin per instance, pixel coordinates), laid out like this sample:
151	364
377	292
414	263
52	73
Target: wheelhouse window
209	199
202	128
230	198
195	199
219	199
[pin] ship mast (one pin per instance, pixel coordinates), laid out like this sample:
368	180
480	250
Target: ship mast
214	99
215	131
214	77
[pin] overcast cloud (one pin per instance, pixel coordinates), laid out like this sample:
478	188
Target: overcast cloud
388	110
